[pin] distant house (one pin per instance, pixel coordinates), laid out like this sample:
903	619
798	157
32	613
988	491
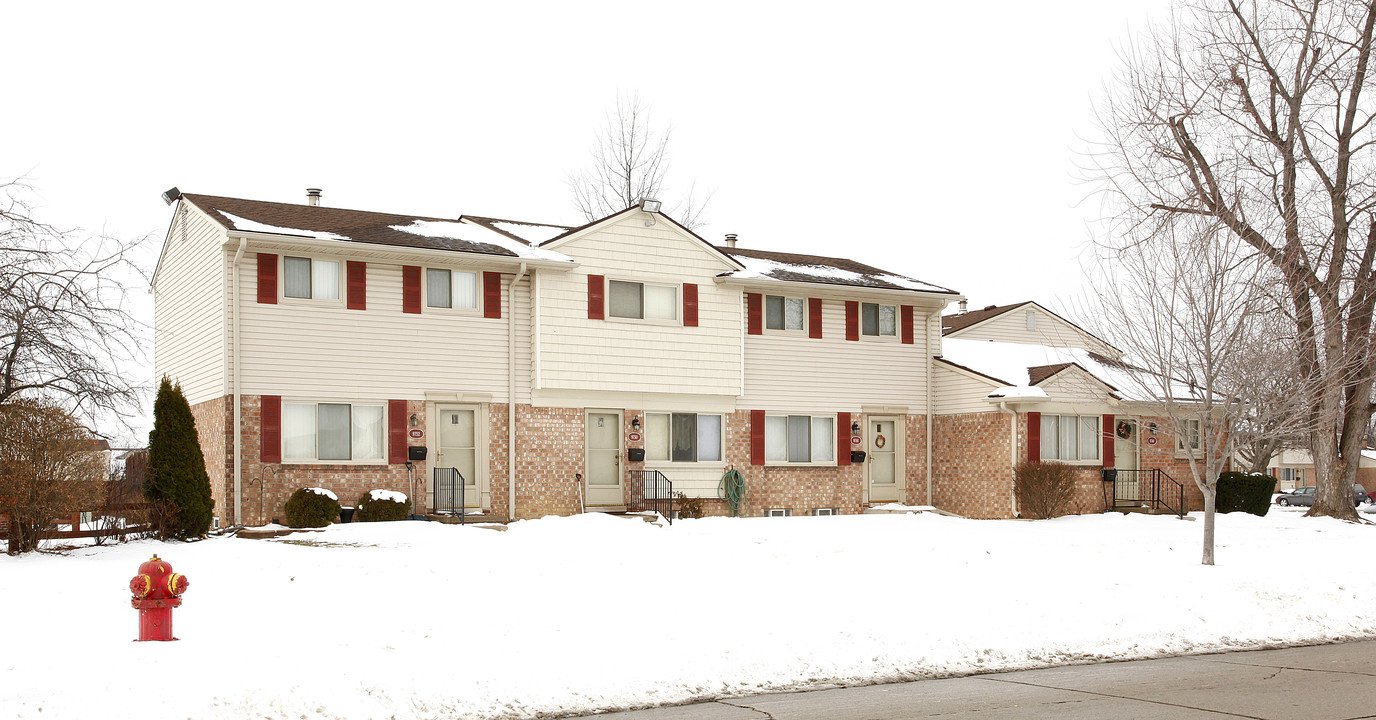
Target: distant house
1295	469
1020	382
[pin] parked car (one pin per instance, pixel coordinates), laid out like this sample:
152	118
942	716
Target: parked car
1305	496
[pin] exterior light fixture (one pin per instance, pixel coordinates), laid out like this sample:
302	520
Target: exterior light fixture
414	420
172	196
650	205
635	423
854	428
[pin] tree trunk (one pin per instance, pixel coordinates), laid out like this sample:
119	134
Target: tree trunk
1210	496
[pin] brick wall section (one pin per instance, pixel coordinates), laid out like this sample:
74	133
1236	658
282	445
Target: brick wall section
550	454
916	452
1162	455
214	429
266	486
971	463
497	468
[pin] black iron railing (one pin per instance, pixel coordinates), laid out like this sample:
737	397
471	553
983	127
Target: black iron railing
1151	488
449	495
650	490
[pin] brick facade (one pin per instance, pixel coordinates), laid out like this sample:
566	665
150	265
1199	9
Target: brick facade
214	427
971	463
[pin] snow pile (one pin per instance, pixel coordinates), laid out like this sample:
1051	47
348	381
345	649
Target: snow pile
393	495
576	614
470	232
254	226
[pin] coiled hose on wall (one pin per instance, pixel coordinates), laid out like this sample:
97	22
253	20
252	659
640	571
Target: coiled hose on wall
732	490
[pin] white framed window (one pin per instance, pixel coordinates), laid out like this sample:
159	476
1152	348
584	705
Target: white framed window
778	512
330	431
454	289
307	278
1187	436
784	313
807	439
878	320
825	511
1031	319
642	301
682	437
1071	437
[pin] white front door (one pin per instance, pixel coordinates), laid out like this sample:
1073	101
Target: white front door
603	476
1128	486
884	466
458	449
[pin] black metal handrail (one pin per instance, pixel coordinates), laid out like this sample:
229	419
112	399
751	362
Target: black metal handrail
651	490
449	487
1153	490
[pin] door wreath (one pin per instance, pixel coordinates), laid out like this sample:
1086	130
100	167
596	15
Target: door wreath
879	441
1123	429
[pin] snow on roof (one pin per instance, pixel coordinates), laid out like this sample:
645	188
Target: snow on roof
1018	391
254	226
775	269
530	232
469	232
1010	363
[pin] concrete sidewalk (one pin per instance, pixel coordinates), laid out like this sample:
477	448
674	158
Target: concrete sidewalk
1324	682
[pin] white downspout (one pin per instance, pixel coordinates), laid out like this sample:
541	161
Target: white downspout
931	365
511	397
238	399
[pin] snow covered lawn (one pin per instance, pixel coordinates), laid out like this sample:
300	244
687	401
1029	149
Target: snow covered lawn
422	620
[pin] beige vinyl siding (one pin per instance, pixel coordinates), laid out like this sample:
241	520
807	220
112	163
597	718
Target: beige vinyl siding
325	351
1073	385
961	392
1011	327
831	374
577	353
190	307
695	481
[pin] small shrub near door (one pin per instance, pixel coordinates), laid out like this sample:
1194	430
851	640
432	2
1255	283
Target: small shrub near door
1241	492
688	507
1045	489
383	505
312	507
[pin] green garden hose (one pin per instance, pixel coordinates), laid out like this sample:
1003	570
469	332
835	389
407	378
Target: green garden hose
732	490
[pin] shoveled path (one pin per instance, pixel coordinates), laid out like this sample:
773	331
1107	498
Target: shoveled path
1323	682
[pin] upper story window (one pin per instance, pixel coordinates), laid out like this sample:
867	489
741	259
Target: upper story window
310	278
332	431
878	320
451	289
682	437
1070	437
783	313
799	438
642	301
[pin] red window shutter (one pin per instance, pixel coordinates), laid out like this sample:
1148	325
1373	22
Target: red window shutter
270	435
596	287
690	305
852	320
267	278
907	312
842	438
1034	437
756	437
396	431
814	317
410	289
754	323
358	285
492	295
1108	441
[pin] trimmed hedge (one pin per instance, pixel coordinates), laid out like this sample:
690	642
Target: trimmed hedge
379	506
308	508
1241	492
1044	489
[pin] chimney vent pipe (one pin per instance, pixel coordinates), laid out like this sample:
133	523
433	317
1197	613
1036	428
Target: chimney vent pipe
964	306
313	196
731	240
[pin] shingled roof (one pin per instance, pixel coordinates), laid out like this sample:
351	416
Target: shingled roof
411	231
793	267
952	323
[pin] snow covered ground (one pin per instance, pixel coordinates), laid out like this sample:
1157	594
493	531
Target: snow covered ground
422	620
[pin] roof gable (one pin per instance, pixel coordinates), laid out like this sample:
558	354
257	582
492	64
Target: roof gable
998	323
591	229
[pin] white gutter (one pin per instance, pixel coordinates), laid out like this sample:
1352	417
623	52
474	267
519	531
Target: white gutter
287	243
511	396
238	398
536	360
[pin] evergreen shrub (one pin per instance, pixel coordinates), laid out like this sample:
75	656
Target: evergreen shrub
1243	492
311	507
176	479
382	506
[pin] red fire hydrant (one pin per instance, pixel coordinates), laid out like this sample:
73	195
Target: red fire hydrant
156	591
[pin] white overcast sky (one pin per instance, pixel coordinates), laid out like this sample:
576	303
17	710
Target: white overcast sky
936	140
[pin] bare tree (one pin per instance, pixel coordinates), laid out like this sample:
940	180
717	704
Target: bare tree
1252	114
49	466
64	326
629	163
1183	307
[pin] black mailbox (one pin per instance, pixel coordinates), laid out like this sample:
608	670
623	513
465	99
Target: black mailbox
857	456
415	453
635	454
